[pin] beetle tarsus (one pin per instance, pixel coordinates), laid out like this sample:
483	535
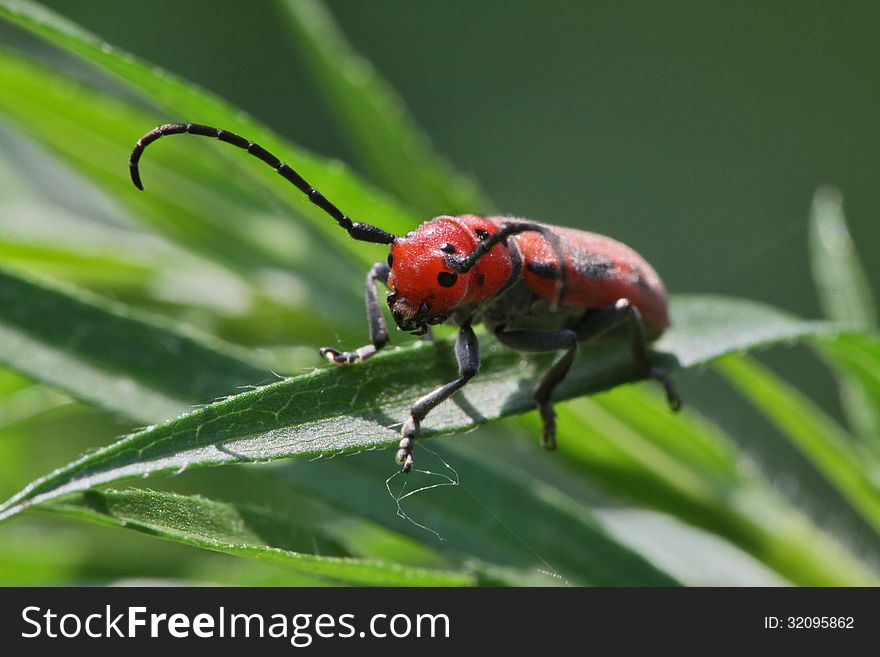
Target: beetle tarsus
548	433
467	353
339	357
662	376
410	432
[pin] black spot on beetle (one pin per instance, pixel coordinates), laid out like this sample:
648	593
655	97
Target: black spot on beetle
481	278
446	247
481	234
641	281
447	278
543	269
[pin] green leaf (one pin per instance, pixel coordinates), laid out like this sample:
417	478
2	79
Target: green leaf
858	357
71	262
343	409
374	118
106	354
27	402
844	291
845	296
241	530
821	440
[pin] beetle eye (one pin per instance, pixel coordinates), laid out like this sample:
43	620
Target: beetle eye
390	260
447	278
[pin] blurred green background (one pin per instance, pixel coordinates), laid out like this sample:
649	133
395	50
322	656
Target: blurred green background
697	132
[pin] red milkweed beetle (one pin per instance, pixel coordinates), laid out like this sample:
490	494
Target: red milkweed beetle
536	287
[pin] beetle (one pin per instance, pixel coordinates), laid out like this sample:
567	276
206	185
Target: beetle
535	287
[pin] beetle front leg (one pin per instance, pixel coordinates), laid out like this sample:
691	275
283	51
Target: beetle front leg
467	353
378	330
543	341
623	312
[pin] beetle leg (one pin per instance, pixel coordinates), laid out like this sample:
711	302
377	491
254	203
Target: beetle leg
542	341
467	353
378	330
623	312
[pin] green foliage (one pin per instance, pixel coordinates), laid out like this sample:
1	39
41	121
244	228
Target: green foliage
245	531
105	354
218	252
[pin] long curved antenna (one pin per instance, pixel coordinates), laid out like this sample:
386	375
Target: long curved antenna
357	230
465	264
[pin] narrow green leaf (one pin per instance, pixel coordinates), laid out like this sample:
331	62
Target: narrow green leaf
25	403
87	265
858	356
822	441
843	287
374	118
107	355
340	409
241	530
856	359
845	296
705	327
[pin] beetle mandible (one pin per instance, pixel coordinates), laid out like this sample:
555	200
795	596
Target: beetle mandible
536	288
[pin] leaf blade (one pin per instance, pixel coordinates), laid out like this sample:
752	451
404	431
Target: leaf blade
845	296
240	530
105	354
822	441
844	291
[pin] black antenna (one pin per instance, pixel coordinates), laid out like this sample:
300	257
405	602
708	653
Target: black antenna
357	230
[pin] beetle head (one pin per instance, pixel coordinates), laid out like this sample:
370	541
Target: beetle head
425	288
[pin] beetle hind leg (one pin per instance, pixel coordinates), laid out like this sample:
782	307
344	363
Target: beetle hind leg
624	312
661	375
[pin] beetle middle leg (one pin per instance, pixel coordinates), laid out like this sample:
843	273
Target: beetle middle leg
543	341
467	353
378	331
